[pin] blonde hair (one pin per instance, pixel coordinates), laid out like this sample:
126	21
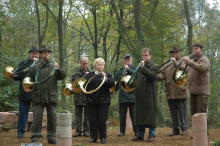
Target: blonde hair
98	60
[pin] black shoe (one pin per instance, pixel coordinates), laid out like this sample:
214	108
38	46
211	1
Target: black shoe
175	132
52	140
121	134
137	138
92	140
86	134
35	138
20	136
78	134
103	140
151	139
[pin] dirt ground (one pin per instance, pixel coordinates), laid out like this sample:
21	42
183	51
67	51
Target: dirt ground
162	139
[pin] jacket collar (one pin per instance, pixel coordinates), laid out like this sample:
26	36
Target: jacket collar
148	63
45	63
196	58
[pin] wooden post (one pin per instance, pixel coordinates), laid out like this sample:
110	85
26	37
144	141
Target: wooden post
199	129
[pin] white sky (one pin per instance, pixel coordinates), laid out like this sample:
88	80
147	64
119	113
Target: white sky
212	3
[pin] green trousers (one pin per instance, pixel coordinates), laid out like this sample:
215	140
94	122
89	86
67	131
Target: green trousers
36	126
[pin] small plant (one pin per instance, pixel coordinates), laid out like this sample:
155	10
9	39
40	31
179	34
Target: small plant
217	143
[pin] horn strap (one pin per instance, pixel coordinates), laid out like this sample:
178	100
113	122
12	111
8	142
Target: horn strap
46	79
24	70
94	90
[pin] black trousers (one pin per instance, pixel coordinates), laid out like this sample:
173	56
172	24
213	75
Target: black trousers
178	112
98	114
123	109
81	113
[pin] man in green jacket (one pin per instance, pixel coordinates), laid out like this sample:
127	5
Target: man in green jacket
146	97
81	110
44	95
126	100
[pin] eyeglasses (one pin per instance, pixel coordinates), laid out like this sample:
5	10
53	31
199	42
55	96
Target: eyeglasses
145	55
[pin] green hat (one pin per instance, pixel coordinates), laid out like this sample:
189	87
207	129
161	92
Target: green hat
44	48
33	49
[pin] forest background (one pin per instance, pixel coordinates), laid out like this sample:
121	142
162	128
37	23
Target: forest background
108	29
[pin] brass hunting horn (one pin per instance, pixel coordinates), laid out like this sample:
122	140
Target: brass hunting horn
10	71
80	86
180	75
74	87
28	84
127	82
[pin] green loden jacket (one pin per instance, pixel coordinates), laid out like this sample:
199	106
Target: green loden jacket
46	92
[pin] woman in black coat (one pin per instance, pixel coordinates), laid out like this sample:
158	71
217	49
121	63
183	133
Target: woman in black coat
99	101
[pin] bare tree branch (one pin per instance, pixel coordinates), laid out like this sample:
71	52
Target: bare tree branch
80	12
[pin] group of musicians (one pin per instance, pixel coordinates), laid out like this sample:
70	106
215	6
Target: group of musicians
91	109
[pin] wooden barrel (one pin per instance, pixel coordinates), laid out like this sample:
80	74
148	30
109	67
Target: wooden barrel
199	129
64	129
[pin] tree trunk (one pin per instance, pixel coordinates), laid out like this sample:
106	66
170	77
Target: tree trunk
0	36
154	4
118	46
138	26
60	32
61	54
41	36
105	49
79	45
122	29
38	23
189	25
95	43
105	52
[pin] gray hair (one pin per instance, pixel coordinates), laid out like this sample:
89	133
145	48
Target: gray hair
82	58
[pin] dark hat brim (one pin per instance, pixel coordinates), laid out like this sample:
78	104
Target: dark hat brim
46	50
172	51
33	51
